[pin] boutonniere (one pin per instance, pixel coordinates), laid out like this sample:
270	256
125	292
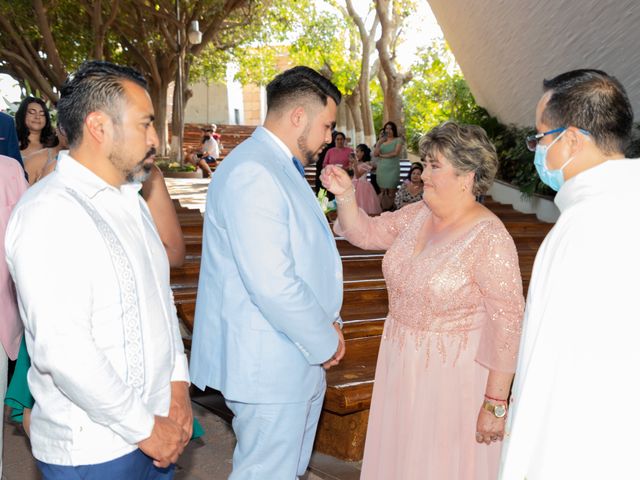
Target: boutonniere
325	204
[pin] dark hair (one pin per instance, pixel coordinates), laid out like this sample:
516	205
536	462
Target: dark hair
415	166
297	83
97	85
366	151
48	136
340	134
393	126
593	101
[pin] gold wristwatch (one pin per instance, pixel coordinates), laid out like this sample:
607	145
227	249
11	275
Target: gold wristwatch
498	410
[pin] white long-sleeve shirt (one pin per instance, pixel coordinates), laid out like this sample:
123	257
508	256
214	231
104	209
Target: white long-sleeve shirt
93	289
574	412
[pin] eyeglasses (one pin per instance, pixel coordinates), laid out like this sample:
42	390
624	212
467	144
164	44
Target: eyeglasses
35	113
533	140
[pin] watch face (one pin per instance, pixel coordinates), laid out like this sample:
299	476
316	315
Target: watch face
500	411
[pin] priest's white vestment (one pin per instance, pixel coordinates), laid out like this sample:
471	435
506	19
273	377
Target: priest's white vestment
575	411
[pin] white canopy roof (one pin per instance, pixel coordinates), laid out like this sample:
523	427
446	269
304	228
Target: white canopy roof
505	48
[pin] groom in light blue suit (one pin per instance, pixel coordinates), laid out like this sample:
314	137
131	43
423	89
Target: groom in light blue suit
267	321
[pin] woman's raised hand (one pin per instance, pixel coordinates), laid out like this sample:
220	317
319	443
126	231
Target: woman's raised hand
336	180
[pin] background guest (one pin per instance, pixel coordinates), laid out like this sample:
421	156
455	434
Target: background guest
34	128
320	163
41	163
388	151
338	155
12	186
450	340
216	136
9	138
209	152
366	196
411	189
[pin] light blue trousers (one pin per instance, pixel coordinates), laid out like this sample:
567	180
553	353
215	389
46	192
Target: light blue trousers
274	441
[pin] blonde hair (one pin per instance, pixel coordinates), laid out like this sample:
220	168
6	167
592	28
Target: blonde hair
467	148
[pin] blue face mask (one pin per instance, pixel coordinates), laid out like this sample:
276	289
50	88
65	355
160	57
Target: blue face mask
553	178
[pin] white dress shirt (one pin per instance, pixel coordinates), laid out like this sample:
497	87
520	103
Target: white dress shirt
93	289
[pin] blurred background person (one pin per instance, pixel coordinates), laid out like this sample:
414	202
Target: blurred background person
411	189
9	138
366	196
209	153
12	186
41	163
387	152
34	128
320	163
340	154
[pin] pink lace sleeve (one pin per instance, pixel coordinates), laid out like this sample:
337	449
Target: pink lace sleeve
379	233
497	273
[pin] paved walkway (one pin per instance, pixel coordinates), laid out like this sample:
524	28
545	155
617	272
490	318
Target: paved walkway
208	458
191	192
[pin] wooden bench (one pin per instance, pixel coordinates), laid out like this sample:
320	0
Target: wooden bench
230	137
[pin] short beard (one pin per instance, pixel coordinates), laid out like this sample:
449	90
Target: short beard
308	155
140	173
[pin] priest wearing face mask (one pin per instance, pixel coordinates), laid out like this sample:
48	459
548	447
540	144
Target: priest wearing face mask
574	410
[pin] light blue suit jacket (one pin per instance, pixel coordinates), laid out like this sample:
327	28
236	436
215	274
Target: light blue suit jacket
270	281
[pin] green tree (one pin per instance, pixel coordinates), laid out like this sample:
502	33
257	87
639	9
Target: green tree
42	40
437	92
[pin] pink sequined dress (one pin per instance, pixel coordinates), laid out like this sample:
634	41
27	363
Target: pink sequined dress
455	311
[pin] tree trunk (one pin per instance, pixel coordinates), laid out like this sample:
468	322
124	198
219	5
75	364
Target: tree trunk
382	78
158	93
363	93
353	103
390	21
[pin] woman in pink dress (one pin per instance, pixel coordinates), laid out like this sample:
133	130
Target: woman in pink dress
338	155
450	340
366	196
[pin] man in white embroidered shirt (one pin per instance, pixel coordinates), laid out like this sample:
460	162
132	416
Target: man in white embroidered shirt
109	373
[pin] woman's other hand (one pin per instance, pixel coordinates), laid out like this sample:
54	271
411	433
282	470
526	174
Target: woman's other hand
336	180
489	428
